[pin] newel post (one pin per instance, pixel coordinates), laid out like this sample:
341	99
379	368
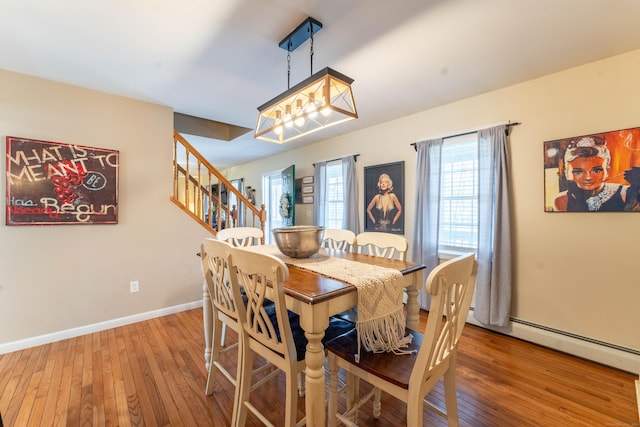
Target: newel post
263	220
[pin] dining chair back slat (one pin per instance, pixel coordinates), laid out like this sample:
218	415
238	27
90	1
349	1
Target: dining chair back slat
256	274
241	236
382	244
214	255
338	239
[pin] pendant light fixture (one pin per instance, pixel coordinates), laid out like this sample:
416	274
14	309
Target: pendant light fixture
322	100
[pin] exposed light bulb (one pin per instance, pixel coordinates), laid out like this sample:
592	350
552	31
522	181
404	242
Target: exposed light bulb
299	120
287	116
325	110
311	109
278	122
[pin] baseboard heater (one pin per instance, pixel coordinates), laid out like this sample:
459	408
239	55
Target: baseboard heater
617	356
576	336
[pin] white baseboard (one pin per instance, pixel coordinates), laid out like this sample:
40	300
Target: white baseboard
96	327
616	358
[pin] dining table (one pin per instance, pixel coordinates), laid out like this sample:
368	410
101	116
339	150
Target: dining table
315	298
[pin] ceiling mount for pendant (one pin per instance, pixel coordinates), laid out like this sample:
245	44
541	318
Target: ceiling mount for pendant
322	100
301	34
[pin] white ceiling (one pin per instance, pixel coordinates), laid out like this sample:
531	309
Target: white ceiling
219	59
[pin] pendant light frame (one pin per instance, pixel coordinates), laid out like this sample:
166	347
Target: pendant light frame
324	99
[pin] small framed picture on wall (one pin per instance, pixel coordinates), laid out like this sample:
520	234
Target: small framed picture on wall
304	190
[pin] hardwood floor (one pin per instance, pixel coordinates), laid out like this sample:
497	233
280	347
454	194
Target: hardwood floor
152	373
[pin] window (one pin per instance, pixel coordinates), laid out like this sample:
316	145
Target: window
271	193
334	217
458	227
464	207
336	194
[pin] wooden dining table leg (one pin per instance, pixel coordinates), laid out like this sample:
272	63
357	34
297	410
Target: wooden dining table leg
314	320
413	307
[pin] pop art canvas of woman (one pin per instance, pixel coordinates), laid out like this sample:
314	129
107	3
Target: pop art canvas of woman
593	173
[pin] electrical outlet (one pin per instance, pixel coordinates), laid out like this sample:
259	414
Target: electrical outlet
134	286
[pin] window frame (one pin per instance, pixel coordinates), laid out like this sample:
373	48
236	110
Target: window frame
334	184
271	185
449	248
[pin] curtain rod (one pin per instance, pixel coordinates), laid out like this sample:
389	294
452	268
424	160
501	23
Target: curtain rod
507	131
355	158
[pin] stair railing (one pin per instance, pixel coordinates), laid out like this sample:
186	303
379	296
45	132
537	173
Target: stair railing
203	193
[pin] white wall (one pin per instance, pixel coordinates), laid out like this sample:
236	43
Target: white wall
575	272
59	277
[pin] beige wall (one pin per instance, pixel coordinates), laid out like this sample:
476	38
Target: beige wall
53	278
572	272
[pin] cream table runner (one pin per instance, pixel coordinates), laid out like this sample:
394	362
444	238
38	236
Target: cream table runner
381	321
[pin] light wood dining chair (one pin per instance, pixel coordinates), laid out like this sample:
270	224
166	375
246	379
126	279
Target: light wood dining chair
338	239
225	312
410	377
274	335
241	236
382	244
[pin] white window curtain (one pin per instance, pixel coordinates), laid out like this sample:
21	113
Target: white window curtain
349	178
350	190
493	286
320	193
427	216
